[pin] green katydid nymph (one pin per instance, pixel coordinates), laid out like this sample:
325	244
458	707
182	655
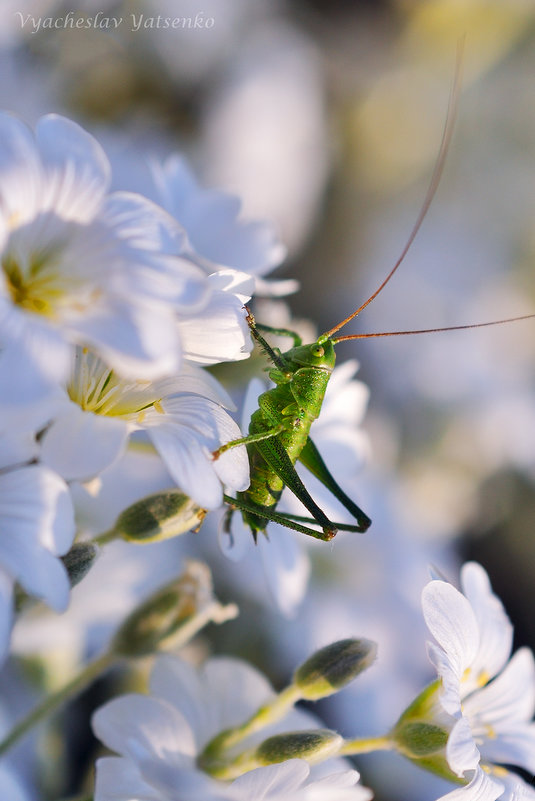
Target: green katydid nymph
279	430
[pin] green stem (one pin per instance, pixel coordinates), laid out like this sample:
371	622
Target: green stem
365	745
105	537
88	674
82	797
263	717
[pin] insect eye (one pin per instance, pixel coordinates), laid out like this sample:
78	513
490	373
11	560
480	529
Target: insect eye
318	351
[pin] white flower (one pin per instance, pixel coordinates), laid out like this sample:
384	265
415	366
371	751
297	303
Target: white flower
219	332
216	232
81	266
159	736
290	781
491	697
37	524
183	416
480	788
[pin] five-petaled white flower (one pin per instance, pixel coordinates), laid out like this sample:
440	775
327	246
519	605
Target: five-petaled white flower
183	416
81	266
490	697
216	231
159	737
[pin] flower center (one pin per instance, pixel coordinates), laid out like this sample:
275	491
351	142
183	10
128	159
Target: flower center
35	288
96	388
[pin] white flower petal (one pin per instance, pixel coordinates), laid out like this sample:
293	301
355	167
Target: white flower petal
516	789
79	445
35	503
43	350
192	379
514	746
118	779
212	221
188	462
20	170
286	567
77	170
217	333
11	787
510	698
27	396
480	788
38	523
138	342
461	751
450	697
137	721
221	694
273	781
451	620
495	629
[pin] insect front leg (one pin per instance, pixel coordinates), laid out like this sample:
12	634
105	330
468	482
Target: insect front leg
274	354
256	437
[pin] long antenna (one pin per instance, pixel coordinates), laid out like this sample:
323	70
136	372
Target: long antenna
451	116
432	330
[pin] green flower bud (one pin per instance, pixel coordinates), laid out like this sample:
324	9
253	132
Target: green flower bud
314	746
159	517
332	667
422	732
177	610
419	739
79	561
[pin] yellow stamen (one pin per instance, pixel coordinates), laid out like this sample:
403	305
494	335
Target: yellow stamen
483	678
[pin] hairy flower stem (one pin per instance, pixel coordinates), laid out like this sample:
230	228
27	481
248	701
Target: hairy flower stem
187	628
365	745
87	675
106	537
264	716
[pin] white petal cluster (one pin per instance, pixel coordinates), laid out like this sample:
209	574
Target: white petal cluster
82	266
490	695
37	525
107	316
159	736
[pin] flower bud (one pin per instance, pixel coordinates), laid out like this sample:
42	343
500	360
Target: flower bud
422	732
420	739
182	607
314	746
332	667
159	517
79	561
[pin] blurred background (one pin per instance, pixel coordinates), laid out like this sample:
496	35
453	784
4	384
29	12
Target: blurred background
326	117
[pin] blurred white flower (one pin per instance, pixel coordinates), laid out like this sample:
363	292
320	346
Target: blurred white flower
159	736
289	781
37	523
81	266
216	230
182	415
491	696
